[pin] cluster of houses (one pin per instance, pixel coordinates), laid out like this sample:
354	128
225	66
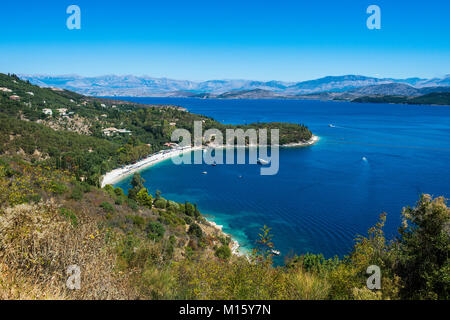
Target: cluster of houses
62	112
13	97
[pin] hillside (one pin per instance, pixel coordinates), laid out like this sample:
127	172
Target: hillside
435	98
91	136
130	244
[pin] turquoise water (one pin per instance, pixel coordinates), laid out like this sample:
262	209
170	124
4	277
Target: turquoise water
326	194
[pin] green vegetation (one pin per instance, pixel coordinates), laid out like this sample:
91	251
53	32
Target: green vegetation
72	138
142	246
435	98
148	252
223	252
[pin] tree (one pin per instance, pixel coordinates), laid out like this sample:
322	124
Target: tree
424	250
143	198
189	209
137	181
194	229
138	184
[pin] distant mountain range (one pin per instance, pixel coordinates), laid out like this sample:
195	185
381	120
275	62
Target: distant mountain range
347	87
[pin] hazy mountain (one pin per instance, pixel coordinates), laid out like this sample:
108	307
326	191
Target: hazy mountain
391	89
144	86
249	94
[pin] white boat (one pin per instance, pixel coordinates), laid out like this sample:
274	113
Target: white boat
262	161
364	158
276	252
332	126
204	172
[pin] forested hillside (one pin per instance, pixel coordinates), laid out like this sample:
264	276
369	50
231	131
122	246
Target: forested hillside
90	136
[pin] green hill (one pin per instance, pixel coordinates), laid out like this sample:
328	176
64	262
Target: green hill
435	98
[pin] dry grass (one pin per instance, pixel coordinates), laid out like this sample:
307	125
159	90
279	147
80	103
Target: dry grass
37	244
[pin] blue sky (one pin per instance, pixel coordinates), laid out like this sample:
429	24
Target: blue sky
234	39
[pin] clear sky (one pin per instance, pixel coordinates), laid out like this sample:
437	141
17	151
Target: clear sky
288	40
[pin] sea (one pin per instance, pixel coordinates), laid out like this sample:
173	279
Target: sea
370	159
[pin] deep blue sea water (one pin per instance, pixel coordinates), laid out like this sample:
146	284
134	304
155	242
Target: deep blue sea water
326	194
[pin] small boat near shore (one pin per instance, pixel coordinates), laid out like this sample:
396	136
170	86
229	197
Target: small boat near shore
276	252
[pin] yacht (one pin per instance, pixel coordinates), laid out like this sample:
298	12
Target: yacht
276	252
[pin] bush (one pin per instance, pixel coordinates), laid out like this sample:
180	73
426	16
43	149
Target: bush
34	198
160	204
155	231
59	188
119	192
132	204
108	207
224	252
70	215
188	220
77	193
143	198
195	230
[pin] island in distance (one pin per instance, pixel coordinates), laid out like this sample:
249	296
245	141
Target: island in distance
353	88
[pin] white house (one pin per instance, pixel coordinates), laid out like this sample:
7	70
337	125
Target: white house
62	111
110	131
48	112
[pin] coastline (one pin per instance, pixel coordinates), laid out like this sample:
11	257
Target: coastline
234	245
310	142
119	174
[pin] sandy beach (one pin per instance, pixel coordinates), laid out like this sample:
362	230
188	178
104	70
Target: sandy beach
116	175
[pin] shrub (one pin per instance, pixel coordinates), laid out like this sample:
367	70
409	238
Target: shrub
160	204
77	193
132	204
143	198
59	188
223	252
70	215
188	220
119	192
155	231
108	207
195	230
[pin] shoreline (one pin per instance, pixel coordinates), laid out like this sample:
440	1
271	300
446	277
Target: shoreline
119	174
235	246
310	142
